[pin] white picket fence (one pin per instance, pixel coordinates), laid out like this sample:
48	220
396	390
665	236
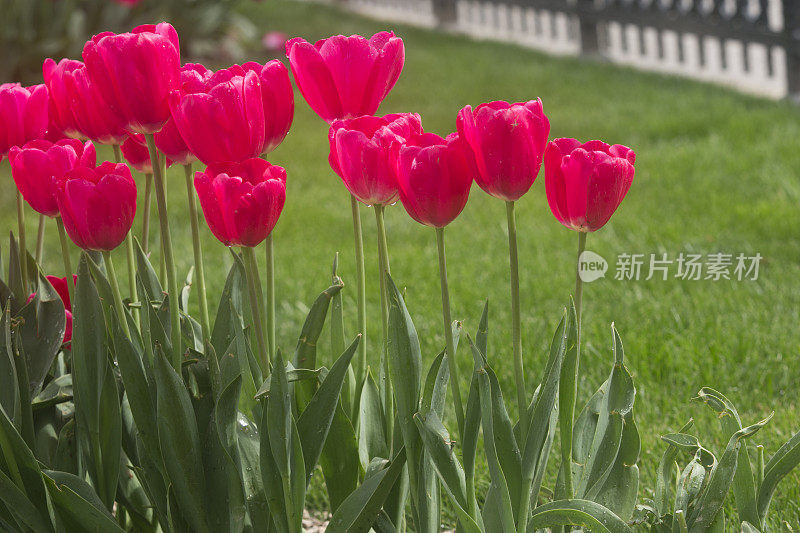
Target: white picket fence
763	72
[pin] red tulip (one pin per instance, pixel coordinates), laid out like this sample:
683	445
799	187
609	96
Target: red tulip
277	96
97	205
434	176
345	77
241	201
135	72
361	154
23	115
508	141
222	121
135	151
60	285
39	167
586	182
77	107
169	140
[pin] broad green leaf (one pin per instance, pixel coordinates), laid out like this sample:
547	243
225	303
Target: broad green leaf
180	443
371	423
434	393
77	505
147	276
779	465
583	513
249	444
9	391
359	511
271	478
230	311
568	388
110	440
57	391
292	375
279	412
24	512
666	477
339	459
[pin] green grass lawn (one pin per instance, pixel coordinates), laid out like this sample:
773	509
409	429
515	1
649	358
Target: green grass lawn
716	171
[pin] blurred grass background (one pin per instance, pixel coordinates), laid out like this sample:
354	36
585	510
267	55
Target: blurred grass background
716	171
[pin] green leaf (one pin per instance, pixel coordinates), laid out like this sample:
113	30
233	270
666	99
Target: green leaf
434	393
666	477
57	391
77	505
110	440
292	375
779	465
229	319
360	510
272	482
248	440
316	419
147	276
9	390
583	513
371	423
279	410
24	512
180	443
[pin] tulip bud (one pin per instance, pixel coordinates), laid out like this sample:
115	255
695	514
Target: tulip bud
345	77
39	167
508	141
241	201
360	153
97	205
23	115
434	176
586	182
135	72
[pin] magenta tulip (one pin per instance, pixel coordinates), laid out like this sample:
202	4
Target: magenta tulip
97	205
135	151
135	72
277	96
23	115
77	108
360	153
508	141
346	77
241	201
40	166
434	176
169	140
586	182
222	121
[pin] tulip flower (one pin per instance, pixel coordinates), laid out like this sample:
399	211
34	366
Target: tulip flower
136	154
222	121
62	288
508	141
77	107
241	203
169	140
345	77
135	72
39	166
360	153
277	96
585	184
434	176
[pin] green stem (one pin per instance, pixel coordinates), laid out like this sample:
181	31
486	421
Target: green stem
166	245
148	194
579	292
199	270
131	256
256	303
40	240
271	342
112	280
383	265
362	290
23	254
516	328
62	235
448	331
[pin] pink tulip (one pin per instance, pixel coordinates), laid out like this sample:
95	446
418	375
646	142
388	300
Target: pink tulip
23	115
586	182
241	201
360	153
277	96
508	141
97	205
222	121
169	140
60	286
39	167
434	176
77	108
346	77
135	151
135	72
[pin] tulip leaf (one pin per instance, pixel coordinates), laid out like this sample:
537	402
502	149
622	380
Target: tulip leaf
292	375
249	444
577	512
77	505
20	507
110	440
59	390
666	477
271	478
434	391
153	292
371	423
230	311
779	465
9	389
359	511
339	459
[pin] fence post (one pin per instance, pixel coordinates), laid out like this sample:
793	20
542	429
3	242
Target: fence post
791	30
590	40
445	13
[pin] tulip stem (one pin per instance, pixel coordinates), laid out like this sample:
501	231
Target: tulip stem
256	303
448	330
199	270
40	240
148	194
23	254
516	327
383	265
112	279
166	245
362	290
131	256
271	342
62	235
